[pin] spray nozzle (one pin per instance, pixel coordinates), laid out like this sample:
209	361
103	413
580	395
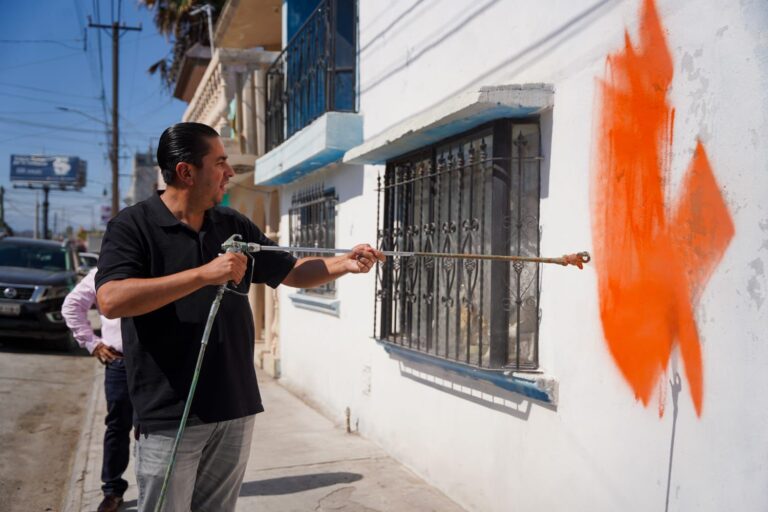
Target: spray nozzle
235	244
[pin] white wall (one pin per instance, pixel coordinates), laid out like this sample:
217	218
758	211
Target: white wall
600	448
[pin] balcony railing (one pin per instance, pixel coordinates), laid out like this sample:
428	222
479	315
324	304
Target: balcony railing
315	73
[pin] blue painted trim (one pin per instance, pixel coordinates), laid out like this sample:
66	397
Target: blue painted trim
317	161
318	145
314	303
511	383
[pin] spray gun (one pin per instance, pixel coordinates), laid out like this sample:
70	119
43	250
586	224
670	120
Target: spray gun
234	244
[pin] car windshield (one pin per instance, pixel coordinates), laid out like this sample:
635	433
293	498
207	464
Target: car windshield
15	254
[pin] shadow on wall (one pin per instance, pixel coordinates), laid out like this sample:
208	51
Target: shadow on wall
129	506
297	483
545	127
676	385
523	59
455	28
350	183
474	390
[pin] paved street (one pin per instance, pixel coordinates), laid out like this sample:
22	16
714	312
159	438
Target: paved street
43	396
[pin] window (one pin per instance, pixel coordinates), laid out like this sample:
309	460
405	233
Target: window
312	218
316	72
34	255
476	193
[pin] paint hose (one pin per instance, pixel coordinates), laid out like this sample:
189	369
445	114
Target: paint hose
196	375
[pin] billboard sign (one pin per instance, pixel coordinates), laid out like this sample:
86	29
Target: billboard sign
53	170
106	213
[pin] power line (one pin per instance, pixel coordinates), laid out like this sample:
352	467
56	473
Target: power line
26	64
45	125
101	67
61	42
37	134
64	128
39	100
49	91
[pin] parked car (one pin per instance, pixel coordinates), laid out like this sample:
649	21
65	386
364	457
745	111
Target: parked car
88	259
35	276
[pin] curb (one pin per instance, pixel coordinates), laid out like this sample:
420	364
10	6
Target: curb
73	500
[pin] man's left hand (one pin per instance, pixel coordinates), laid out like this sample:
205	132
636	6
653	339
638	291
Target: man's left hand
362	258
106	354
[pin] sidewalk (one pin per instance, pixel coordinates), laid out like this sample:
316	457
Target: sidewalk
299	462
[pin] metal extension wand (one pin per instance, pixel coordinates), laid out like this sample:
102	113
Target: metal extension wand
578	259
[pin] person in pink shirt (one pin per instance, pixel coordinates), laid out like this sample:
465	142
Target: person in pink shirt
108	349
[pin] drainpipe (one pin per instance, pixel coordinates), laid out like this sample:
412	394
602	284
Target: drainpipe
260	84
239	112
253	128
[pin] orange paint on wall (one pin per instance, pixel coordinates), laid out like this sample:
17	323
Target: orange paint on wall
651	264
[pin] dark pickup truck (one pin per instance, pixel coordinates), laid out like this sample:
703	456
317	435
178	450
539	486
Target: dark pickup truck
35	276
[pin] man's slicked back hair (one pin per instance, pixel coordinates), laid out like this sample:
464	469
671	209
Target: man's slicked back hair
183	142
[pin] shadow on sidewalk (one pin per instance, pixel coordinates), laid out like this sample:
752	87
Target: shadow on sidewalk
298	483
129	506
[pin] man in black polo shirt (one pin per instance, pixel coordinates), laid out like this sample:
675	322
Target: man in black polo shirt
159	268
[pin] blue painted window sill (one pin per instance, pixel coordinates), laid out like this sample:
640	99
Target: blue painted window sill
330	306
536	386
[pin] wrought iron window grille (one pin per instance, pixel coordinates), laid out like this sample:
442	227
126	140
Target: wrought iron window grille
312	223
315	73
474	193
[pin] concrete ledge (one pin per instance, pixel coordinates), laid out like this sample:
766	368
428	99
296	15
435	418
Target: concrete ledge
459	114
321	143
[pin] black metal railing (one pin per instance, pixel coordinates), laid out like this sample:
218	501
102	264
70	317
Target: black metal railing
315	73
478	193
312	223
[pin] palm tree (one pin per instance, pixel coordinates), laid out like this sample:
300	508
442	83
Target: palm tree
173	20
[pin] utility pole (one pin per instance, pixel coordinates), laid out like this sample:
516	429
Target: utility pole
46	189
117	30
2	207
37	215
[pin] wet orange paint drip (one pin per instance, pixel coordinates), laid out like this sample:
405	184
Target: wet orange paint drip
652	261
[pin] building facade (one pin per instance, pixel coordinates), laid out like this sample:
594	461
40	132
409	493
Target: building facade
629	129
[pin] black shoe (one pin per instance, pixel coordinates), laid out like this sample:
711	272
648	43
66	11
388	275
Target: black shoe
110	503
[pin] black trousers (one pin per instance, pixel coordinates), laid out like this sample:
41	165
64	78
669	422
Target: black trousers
117	437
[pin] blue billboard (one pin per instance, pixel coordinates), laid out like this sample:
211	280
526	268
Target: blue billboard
53	170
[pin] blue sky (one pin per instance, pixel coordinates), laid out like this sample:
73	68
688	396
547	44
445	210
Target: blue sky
38	77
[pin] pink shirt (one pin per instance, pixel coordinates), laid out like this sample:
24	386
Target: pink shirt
75	313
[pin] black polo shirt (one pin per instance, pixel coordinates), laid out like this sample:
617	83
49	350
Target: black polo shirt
161	347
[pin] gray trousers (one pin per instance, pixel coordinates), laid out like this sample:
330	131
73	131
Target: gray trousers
209	469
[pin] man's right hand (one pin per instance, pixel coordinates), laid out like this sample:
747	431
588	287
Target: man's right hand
105	354
138	296
227	267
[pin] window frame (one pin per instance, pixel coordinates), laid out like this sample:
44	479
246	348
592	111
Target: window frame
513	288
308	204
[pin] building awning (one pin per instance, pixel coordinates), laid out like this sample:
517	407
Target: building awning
321	143
456	115
193	67
249	23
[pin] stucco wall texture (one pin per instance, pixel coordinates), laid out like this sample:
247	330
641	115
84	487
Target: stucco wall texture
655	161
